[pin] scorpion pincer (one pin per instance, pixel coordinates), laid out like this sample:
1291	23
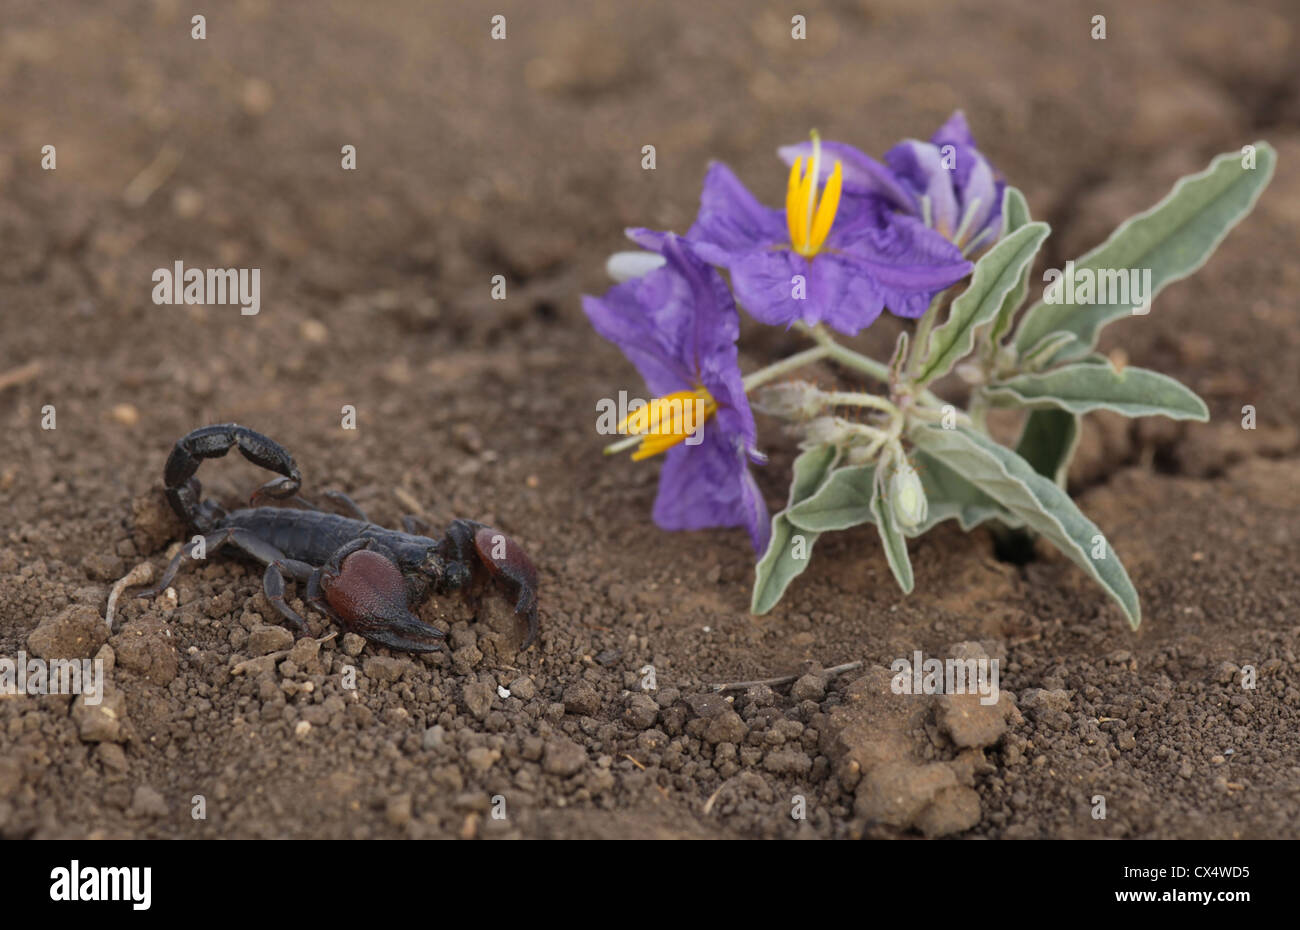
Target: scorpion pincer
365	577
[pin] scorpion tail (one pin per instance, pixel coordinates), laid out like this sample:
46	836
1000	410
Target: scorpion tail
209	442
187	501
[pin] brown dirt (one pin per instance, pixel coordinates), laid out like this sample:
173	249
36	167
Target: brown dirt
522	158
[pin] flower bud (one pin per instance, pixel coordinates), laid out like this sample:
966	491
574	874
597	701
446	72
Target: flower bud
827	431
907	494
791	400
857	455
624	266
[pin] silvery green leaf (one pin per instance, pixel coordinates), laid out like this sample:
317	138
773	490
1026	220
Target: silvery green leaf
1172	239
1045	350
1082	388
996	273
952	497
780	565
624	266
1015	214
892	539
842	502
1037	501
1047	442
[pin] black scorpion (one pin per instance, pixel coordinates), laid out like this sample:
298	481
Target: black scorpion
365	577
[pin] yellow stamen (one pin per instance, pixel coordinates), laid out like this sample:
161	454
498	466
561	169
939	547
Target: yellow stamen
667	421
810	222
793	203
830	203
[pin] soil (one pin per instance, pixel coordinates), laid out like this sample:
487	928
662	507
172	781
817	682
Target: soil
522	158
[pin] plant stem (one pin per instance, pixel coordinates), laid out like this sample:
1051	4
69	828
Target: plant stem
777	369
978	410
932	414
879	437
854	399
921	345
843	355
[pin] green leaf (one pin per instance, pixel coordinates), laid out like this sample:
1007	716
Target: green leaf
894	542
1082	388
779	565
1172	239
1015	214
1044	507
842	502
952	497
1041	355
1047	442
994	277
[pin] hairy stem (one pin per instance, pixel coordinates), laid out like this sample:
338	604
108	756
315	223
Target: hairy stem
855	399
785	366
979	409
845	356
921	344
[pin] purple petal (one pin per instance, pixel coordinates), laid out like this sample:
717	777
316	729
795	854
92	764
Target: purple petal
620	316
754	509
720	374
844	293
920	165
980	185
765	287
709	485
713	335
956	131
861	173
905	261
731	219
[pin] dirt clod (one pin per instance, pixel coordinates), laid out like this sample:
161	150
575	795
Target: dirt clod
563	757
75	633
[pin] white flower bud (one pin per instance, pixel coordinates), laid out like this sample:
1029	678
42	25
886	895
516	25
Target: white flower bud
624	266
827	431
791	400
857	455
907	494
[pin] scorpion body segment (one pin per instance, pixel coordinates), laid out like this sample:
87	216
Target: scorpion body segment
365	577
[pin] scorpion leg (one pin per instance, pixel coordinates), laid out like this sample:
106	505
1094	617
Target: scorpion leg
416	526
273	588
344	502
211	543
277	566
347	504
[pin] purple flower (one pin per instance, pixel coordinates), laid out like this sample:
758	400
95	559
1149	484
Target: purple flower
828	259
678	325
946	183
